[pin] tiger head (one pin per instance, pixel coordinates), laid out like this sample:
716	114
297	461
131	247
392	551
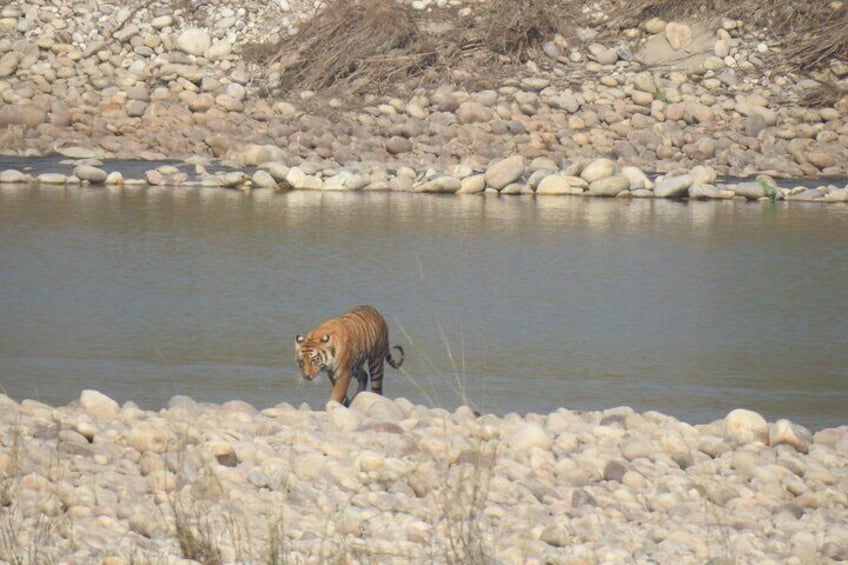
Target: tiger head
314	354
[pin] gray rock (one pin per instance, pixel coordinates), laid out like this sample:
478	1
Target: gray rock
674	186
13	176
561	184
789	433
602	54
51	178
614	471
708	192
609	186
470	112
750	190
194	41
397	144
598	169
503	172
263	179
440	184
89	173
346	180
473	184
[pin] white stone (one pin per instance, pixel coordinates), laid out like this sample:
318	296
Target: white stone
194	41
98	404
598	169
745	426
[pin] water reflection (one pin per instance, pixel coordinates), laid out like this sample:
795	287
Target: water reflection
520	304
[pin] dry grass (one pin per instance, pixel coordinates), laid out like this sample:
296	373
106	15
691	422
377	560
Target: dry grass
381	47
812	32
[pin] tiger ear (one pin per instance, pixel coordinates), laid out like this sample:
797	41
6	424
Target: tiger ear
326	338
299	339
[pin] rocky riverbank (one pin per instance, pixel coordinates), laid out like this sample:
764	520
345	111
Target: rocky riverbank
387	481
597	113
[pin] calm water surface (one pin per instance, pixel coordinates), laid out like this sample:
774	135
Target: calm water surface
512	304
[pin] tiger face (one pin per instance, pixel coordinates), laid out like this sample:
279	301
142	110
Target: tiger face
313	355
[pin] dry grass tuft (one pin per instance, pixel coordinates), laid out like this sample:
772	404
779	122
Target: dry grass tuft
813	32
823	35
382	46
516	28
364	45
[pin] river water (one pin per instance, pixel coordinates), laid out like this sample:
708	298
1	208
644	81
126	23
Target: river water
508	303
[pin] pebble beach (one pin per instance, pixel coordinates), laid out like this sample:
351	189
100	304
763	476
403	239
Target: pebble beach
662	109
682	110
386	481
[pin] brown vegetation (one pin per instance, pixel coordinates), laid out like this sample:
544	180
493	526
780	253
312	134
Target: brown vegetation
382	46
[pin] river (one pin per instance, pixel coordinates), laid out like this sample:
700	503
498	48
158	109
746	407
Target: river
508	303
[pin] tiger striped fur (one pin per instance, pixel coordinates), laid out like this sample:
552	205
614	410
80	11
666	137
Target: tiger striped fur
341	346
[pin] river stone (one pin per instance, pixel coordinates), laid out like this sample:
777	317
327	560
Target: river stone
263	179
786	432
51	178
256	154
346	180
561	184
13	176
745	426
750	190
603	54
219	50
298	179
397	144
673	186
821	159
598	169
702	174
614	471
376	407
638	179
503	172
636	448
528	435
708	192
194	41
470	112
440	184
555	535
8	64
678	35
609	186
149	437
99	405
94	175
473	184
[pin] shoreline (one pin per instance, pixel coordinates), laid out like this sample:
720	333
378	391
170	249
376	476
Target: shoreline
389	480
653	109
513	176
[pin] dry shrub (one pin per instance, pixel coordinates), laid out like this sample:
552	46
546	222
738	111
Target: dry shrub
516	27
824	36
822	95
813	31
382	46
368	44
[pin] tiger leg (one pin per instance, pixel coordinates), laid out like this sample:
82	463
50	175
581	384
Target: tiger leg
340	384
362	379
375	367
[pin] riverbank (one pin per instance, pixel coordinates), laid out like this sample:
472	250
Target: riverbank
386	480
601	111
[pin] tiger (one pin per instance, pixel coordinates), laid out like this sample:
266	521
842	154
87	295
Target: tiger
340	347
